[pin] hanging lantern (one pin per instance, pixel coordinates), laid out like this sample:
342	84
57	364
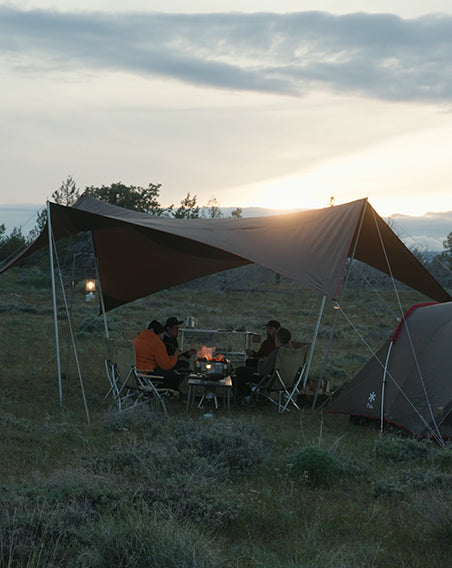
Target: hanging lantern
90	288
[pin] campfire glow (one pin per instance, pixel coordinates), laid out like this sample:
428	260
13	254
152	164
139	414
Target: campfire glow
208	354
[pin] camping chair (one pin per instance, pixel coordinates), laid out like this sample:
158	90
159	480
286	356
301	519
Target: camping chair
117	377
290	390
130	387
282	386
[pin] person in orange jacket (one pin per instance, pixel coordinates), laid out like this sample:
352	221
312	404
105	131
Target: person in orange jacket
152	357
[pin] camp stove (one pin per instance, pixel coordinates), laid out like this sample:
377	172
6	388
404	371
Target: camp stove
211	365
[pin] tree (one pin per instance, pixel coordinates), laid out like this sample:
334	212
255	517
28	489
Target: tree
447	244
11	244
237	213
131	197
189	209
213	209
67	194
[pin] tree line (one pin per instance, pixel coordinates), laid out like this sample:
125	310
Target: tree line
137	198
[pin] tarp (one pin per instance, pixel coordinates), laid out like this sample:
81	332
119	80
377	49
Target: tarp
409	377
139	254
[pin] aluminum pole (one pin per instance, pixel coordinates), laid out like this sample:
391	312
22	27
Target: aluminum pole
55	318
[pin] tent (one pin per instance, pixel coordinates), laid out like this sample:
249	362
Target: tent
408	382
138	254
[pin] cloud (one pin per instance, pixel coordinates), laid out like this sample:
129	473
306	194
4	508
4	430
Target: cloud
374	55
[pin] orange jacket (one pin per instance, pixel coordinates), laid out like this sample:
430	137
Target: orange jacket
150	352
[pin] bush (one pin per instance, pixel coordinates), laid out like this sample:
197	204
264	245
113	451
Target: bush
410	481
400	450
150	541
442	458
44	521
436	511
315	466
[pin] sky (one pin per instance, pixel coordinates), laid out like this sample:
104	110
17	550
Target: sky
280	104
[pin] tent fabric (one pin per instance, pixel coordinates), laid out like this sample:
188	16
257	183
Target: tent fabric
139	254
417	394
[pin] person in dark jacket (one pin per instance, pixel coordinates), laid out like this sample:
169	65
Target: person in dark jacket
266	347
172	326
245	375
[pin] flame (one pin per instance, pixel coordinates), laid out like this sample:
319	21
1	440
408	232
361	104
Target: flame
208	353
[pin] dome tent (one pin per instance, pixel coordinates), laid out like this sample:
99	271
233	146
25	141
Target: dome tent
408	382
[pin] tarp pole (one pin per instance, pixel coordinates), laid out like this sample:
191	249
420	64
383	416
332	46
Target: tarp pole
101	296
55	318
383	387
314	339
325	358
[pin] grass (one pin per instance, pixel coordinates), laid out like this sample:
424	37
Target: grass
257	489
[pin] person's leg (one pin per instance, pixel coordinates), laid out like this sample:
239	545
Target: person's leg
243	376
171	379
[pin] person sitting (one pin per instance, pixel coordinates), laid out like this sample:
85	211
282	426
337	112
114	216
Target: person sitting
171	343
152	357
266	347
245	375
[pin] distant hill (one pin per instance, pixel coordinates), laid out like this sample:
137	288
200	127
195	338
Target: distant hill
425	232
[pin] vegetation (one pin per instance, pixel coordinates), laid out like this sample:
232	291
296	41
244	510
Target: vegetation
256	489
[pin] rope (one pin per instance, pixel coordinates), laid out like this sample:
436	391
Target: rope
404	322
436	434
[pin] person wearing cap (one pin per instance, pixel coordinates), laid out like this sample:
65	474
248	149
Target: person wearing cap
170	340
266	347
151	355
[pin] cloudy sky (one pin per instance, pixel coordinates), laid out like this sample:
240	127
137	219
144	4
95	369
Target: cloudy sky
258	103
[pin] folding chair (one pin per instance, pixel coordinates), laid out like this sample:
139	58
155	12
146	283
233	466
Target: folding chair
290	389
282	386
130	387
117	377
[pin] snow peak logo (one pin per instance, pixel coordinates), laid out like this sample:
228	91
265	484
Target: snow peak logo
371	399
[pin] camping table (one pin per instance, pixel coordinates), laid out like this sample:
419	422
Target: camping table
209	389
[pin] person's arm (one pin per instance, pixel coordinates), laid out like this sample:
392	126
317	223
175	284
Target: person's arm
266	347
266	366
163	360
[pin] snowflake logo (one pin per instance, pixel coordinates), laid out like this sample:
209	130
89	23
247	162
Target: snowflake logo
372	397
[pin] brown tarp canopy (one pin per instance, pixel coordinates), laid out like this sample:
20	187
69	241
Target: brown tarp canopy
139	254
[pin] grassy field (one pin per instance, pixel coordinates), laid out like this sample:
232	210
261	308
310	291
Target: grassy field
257	489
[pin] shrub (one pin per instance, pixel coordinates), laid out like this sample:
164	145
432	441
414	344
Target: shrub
389	488
155	541
44	521
239	446
409	481
442	458
399	450
436	510
315	466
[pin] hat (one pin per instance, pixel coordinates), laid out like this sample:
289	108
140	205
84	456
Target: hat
273	323
172	321
156	327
